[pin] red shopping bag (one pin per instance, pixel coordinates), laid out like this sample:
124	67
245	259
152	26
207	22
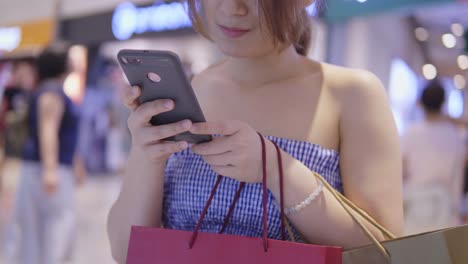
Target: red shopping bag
153	245
163	246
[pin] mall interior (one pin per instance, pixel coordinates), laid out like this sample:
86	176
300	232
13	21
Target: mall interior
407	44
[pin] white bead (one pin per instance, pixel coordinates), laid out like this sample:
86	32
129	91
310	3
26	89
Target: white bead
306	202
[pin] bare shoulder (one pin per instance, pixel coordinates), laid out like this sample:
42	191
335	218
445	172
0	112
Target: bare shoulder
352	83
355	90
362	100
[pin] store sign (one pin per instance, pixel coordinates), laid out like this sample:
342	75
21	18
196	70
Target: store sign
337	10
10	38
128	19
26	37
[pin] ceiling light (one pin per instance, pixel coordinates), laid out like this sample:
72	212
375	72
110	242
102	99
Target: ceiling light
449	40
462	61
421	34
455	104
429	71
457	29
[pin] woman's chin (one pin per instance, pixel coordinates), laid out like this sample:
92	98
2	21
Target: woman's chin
240	52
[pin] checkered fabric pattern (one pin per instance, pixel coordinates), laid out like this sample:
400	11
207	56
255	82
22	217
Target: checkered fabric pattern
189	181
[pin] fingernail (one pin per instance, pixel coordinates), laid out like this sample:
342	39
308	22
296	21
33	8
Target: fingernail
168	104
134	90
183	144
186	124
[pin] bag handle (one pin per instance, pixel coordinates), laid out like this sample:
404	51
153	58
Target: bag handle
352	210
281	180
236	198
344	200
231	209
349	206
207	205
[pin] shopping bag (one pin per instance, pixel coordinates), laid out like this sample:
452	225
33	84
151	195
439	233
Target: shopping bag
448	246
163	246
152	245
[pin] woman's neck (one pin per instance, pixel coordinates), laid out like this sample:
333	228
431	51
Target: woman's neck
266	69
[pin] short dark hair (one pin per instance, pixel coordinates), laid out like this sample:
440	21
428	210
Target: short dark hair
433	97
53	61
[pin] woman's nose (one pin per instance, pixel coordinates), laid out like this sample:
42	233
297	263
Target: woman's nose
234	7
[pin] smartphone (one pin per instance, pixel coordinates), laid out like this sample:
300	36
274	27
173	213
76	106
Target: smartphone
160	75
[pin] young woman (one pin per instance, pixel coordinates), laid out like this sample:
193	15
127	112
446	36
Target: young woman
327	119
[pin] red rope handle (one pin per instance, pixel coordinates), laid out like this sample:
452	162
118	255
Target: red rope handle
205	210
281	179
231	209
237	195
264	196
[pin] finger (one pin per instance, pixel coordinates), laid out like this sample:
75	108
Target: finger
146	111
164	149
155	133
131	96
222	160
226	128
218	145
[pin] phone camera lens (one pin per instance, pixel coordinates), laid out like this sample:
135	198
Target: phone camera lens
134	61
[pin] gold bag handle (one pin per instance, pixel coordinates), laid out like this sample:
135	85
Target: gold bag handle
352	210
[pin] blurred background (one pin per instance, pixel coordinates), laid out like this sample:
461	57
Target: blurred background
407	43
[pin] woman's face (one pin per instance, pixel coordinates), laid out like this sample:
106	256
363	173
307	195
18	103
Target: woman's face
235	27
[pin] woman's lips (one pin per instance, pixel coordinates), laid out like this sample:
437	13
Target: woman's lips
233	32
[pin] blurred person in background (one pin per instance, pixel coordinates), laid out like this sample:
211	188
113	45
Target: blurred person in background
433	158
118	136
45	197
5	73
14	109
326	119
15	100
104	131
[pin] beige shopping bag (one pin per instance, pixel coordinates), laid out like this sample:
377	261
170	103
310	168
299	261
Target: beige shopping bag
447	246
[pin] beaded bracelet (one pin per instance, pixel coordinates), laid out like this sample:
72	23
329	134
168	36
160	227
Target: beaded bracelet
306	202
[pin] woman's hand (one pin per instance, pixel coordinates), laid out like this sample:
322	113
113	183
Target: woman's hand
146	138
50	181
237	154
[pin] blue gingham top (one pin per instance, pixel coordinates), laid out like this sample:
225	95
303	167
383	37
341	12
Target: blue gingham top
189	181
